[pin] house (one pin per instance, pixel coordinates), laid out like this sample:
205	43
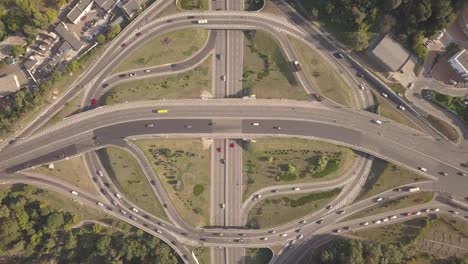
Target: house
8	85
106	5
391	54
463	20
30	63
459	62
69	36
79	10
130	8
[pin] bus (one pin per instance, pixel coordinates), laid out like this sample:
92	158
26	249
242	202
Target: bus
162	111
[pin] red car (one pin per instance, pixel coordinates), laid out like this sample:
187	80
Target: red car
123	45
232	145
138	34
93	102
218	149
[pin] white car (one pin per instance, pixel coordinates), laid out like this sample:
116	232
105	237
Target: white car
284	235
272	231
264	238
74	192
436	210
257	196
118	196
422	169
417	213
158	231
100	204
393	217
123	211
99	173
385	220
255	124
384	95
377	222
302	221
114	202
365	223
135	210
299	236
402	108
410	86
296	189
379	199
361	86
377	121
147	70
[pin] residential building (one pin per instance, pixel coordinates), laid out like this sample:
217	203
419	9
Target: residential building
460	63
8	85
463	20
106	5
69	36
79	10
391	54
130	8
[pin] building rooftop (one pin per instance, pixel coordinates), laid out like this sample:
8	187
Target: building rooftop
130	8
8	85
391	53
78	9
461	59
30	63
69	37
106	5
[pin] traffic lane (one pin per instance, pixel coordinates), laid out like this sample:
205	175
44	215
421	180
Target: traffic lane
219	177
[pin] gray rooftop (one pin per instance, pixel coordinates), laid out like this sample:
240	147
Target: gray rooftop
69	37
462	59
105	4
391	53
8	84
78	9
131	7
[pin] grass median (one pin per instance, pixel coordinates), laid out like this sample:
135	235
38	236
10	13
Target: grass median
70	108
391	112
276	161
444	128
126	174
258	255
72	171
183	167
267	72
384	176
192	4
172	47
202	254
190	84
276	211
325	78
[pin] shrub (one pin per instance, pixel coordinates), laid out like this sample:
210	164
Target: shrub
198	189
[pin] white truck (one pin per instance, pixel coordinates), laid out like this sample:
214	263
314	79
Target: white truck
202	21
413	189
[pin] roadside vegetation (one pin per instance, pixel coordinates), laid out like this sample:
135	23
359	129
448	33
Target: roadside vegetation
267	73
253	5
394	204
172	47
455	105
126	174
190	84
444	128
280	210
325	78
356	23
258	255
35	228
70	108
72	171
276	161
384	176
202	254
183	167
192	4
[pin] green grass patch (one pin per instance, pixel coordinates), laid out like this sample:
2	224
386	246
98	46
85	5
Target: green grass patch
70	108
258	255
322	74
183	167
272	161
455	105
444	128
127	175
395	204
193	4
384	176
170	48
280	210
72	171
267	73
191	84
202	254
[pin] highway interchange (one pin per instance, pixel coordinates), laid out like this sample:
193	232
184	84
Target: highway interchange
118	125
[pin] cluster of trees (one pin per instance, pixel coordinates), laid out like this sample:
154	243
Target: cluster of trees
37	233
360	252
311	198
27	16
410	20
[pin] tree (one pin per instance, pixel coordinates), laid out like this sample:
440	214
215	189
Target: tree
113	32
51	15
418	46
60	3
54	222
101	38
359	40
30	31
73	66
389	5
4	211
17	50
40	20
198	189
291	168
2	31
